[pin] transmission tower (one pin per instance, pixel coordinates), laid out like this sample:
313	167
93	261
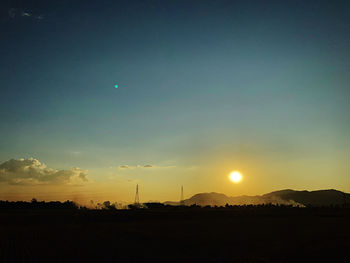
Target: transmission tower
182	202
137	198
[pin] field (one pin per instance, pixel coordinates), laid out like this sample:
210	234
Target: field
175	235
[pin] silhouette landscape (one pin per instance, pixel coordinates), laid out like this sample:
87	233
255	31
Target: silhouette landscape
174	131
316	231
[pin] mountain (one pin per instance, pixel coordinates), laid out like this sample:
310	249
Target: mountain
314	198
286	197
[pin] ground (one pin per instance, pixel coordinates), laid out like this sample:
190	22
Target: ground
175	235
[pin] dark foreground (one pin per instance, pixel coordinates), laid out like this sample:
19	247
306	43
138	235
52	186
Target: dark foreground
176	235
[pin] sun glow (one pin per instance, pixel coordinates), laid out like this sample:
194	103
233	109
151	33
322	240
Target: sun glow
235	176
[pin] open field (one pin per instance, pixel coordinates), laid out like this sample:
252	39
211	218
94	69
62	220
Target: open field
175	235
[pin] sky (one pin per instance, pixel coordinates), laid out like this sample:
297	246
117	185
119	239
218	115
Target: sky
204	88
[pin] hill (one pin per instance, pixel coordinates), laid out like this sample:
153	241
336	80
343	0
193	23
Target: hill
286	197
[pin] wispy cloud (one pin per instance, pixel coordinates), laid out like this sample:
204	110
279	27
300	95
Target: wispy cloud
15	12
12	13
124	167
145	166
26	14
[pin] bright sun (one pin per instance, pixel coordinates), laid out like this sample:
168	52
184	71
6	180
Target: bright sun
235	176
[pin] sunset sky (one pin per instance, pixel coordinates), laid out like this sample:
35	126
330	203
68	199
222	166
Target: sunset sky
205	88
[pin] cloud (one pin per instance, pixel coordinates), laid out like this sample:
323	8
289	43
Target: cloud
32	172
26	14
12	12
18	12
122	167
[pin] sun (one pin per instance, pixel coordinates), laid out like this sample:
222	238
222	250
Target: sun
235	176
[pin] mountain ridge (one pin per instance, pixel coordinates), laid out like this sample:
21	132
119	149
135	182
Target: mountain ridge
302	198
